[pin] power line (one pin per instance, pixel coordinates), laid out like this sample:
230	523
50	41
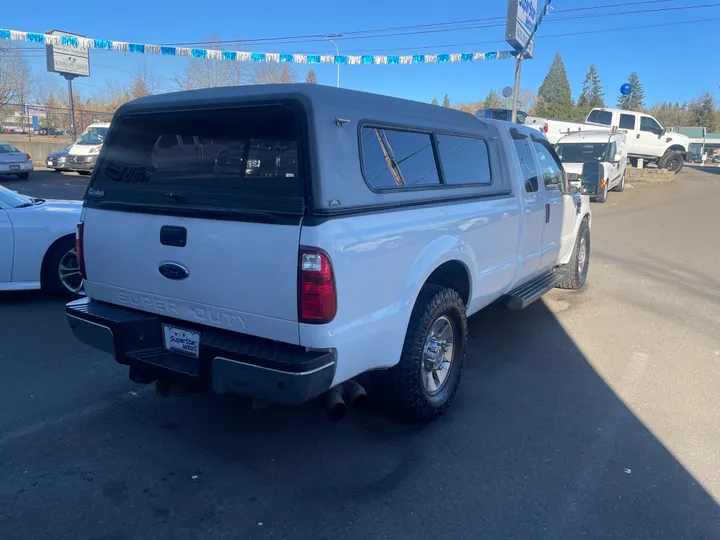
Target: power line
545	36
321	37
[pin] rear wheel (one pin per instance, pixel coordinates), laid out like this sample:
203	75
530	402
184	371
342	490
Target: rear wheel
23	175
61	270
672	161
423	383
577	266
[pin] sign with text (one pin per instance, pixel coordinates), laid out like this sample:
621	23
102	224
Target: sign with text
521	18
67	60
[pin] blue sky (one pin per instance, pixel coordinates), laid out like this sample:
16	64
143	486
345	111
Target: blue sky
669	57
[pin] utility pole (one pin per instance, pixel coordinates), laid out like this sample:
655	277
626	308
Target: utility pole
519	59
72	105
328	36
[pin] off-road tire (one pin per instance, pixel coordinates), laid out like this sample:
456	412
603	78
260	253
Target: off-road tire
672	161
576	277
401	386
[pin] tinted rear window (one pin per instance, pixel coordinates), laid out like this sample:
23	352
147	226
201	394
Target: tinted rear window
231	159
600	117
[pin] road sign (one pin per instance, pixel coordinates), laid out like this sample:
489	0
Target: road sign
35	123
68	61
521	18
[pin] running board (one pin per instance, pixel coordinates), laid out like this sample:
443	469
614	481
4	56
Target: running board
526	294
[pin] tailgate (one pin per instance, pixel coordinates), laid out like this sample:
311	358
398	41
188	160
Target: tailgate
196	215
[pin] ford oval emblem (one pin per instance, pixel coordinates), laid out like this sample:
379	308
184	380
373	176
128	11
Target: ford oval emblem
173	270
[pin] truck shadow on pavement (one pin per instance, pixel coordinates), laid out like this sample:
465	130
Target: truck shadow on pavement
536	445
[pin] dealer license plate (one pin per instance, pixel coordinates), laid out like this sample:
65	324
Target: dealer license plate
14	167
181	341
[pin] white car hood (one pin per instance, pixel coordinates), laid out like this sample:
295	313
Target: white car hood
82	149
574	168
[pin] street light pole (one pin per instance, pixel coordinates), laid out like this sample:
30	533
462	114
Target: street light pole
337	51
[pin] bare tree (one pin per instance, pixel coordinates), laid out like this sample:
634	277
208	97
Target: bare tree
209	73
272	73
14	75
145	83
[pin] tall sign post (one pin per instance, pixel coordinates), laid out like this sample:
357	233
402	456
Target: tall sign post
521	26
70	62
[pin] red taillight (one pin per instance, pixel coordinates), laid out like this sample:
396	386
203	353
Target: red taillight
79	249
545	128
28	156
317	297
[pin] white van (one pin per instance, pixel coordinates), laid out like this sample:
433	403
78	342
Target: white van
84	153
608	149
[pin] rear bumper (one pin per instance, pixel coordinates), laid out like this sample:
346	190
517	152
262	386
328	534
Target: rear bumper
228	362
14	168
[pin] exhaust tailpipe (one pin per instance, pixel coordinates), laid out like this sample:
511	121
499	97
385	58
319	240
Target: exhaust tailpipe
335	404
354	393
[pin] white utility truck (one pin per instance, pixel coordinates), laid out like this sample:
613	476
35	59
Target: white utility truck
607	149
646	138
310	234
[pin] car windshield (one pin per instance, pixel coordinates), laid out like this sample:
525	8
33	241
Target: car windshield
95	135
13	199
7	148
582	152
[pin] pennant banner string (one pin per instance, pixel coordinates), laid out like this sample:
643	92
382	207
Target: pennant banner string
237	56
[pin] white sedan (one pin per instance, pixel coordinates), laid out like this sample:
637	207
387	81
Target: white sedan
37	244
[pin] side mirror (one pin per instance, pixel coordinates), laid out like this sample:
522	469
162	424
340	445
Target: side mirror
572	189
593	178
617	158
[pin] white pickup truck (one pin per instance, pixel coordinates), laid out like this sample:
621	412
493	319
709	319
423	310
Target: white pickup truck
646	138
304	235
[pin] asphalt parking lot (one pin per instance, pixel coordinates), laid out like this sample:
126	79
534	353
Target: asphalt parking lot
589	415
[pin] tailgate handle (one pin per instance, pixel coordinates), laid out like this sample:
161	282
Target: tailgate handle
170	235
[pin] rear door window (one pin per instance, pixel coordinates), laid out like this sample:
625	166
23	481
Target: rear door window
242	158
627	121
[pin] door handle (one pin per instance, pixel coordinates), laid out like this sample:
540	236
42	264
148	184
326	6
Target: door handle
547	213
637	136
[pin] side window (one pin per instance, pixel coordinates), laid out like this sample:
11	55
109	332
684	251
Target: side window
600	117
527	163
650	125
499	115
627	121
550	167
396	159
464	160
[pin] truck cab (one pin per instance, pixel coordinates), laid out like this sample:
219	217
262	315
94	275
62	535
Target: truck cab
607	149
647	140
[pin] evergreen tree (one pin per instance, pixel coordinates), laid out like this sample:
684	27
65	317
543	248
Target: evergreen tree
494	100
703	112
446	102
285	75
592	94
435	101
311	77
635	100
554	97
